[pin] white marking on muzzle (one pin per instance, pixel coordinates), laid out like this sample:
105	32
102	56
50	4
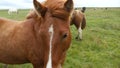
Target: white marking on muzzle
49	63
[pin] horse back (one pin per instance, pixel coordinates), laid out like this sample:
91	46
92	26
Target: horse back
78	19
7	25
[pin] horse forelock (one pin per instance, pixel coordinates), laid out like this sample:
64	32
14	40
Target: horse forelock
56	8
54	4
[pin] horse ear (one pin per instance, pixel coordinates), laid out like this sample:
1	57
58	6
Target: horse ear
68	5
40	9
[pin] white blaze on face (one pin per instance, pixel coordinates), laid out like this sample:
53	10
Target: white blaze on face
49	63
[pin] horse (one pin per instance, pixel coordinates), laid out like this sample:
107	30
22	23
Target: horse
83	9
42	39
78	19
12	10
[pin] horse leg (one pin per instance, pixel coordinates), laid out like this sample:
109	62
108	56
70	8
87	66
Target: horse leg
80	33
79	36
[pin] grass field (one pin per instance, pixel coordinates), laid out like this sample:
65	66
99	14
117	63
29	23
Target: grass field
100	47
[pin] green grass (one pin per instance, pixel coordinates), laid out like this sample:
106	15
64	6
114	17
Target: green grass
100	47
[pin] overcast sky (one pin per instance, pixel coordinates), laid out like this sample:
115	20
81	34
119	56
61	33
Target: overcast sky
6	4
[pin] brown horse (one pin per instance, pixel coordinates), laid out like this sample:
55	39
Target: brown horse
42	39
79	20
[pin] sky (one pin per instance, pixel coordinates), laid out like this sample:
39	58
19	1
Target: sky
26	4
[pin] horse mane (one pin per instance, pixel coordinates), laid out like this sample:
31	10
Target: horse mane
55	7
31	14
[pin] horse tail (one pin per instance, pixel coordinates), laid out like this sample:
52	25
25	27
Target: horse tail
83	9
83	23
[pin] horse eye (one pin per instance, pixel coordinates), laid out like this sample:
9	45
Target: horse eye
65	35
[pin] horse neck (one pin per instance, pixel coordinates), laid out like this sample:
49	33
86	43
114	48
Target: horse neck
35	20
32	23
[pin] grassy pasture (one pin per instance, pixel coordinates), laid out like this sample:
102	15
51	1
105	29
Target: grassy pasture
100	47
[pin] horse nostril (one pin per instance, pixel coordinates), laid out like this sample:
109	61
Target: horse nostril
65	35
